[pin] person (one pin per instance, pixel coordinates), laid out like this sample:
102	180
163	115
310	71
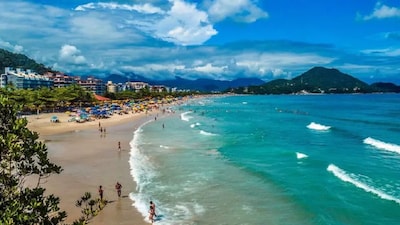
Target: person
118	187
154	207
119	146
151	214
101	192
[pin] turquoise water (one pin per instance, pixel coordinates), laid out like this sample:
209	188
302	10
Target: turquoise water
284	160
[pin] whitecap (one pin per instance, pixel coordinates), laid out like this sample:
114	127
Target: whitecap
382	145
344	176
316	126
206	133
301	155
185	116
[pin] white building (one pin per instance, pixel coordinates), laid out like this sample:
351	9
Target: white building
22	79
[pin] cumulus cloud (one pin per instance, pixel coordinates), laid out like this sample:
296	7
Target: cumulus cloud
182	23
209	68
71	54
10	47
238	10
382	11
185	25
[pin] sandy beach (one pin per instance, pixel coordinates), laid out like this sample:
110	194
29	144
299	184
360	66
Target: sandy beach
90	158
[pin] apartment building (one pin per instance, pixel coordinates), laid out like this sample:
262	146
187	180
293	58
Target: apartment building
24	79
60	79
92	84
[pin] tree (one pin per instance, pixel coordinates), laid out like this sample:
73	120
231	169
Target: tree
22	156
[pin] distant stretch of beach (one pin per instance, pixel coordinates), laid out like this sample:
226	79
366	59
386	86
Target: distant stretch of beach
90	158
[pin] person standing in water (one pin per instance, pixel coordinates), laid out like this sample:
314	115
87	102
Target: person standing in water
154	207
151	214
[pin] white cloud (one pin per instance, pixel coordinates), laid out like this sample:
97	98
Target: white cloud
9	46
382	11
391	52
144	8
272	62
239	10
209	68
184	24
93	27
70	54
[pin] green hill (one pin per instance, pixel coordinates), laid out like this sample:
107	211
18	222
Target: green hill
315	80
9	59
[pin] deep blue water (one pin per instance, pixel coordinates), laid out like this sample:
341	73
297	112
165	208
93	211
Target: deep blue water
284	160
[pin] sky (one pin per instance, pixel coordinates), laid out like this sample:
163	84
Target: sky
217	39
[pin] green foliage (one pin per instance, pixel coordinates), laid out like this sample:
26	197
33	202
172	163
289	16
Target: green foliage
89	207
22	156
9	59
48	99
318	80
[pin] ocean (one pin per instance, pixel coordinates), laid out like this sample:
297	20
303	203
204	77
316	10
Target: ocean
273	159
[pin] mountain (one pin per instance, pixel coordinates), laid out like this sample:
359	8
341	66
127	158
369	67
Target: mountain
14	60
385	87
315	80
204	85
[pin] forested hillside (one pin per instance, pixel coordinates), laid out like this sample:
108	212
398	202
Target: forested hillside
14	60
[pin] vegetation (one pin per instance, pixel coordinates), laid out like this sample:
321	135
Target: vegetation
90	207
48	99
9	59
318	80
22	156
145	93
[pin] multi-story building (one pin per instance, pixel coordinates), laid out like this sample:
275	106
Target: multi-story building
60	79
158	88
137	86
111	87
22	79
92	84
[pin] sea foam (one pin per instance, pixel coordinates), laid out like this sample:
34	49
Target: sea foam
206	133
382	145
344	176
316	126
194	125
301	155
185	116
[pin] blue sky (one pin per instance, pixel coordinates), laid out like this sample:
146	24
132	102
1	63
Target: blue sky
218	39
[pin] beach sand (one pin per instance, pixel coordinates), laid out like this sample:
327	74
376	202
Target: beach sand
90	158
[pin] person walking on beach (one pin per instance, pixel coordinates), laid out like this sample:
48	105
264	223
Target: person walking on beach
151	214
119	146
154	207
101	192
118	187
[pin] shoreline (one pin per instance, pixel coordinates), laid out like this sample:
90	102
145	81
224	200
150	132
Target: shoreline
90	158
